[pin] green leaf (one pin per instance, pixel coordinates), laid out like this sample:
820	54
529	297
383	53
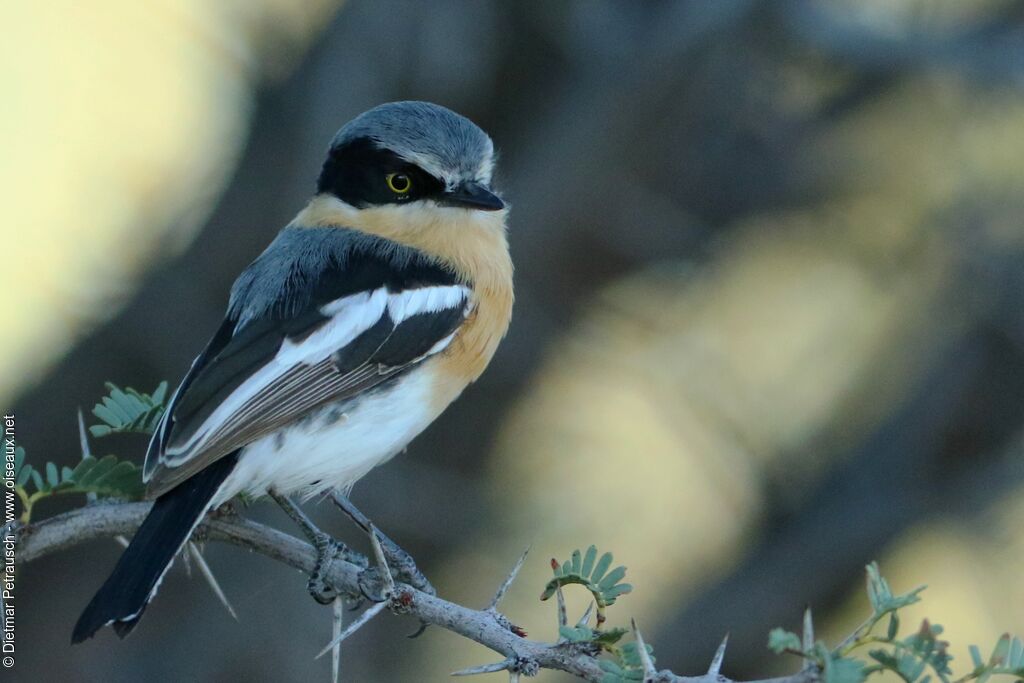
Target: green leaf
929	651
843	670
903	664
894	626
1000	651
1015	659
601	568
588	561
128	411
610	666
609	637
604	587
615	591
781	640
629	655
881	596
103	412
109	477
106	477
612	577
19	459
117	404
23	475
976	656
576	634
52	476
613	672
556	569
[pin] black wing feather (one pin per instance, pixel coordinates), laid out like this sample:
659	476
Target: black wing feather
279	297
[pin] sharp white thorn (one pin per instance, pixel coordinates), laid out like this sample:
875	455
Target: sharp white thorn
586	616
483	669
207	573
382	562
716	661
370	613
509	579
339	619
83	441
645	657
83	436
808	637
563	617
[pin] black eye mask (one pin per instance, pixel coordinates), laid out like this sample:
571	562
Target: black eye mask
357	173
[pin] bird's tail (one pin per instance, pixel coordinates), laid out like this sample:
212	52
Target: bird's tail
134	581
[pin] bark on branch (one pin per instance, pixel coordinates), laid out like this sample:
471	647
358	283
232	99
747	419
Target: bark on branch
486	627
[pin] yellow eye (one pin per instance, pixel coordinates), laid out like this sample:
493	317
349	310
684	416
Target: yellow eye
399	183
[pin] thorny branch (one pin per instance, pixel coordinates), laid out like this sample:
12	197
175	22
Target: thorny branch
487	626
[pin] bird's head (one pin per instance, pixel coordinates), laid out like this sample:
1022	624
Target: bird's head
407	152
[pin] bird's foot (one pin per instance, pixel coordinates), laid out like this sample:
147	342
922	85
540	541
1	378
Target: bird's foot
327	551
372	585
376	588
403	567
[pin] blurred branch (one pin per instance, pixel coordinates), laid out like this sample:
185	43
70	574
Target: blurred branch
918	447
487	626
988	48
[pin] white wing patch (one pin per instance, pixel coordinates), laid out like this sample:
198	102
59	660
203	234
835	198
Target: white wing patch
350	316
427	300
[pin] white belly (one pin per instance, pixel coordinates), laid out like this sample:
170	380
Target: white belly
336	445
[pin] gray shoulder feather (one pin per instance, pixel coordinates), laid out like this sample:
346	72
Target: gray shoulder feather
280	281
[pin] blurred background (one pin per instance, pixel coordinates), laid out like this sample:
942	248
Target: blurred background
769	326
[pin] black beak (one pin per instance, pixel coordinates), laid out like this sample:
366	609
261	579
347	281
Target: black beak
472	195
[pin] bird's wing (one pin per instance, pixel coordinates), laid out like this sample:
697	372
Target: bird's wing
261	374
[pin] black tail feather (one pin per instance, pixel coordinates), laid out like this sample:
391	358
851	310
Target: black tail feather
129	588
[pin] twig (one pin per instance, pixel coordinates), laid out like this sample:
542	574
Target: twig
857	633
67	530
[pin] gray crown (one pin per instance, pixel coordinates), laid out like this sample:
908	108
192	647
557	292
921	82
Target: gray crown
433	137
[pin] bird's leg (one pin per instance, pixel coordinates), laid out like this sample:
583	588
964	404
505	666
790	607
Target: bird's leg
403	567
328	549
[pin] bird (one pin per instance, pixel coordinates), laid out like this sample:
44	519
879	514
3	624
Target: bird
365	317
